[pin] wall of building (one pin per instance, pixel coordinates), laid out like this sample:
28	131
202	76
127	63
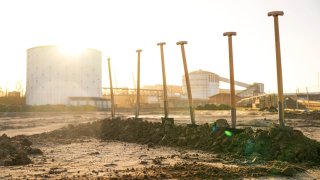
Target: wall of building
53	75
203	84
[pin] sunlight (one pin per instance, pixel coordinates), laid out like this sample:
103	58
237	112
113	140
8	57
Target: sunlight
71	49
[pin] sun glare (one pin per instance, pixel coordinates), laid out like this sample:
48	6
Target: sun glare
71	49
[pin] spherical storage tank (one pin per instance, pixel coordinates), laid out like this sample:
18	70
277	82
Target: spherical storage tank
203	84
53	75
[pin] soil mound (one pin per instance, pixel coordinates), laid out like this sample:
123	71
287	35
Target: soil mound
69	134
15	151
284	144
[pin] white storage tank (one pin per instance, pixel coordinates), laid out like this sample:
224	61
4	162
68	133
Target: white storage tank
203	84
53	75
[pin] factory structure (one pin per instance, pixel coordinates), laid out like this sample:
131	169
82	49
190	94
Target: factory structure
205	88
205	85
56	77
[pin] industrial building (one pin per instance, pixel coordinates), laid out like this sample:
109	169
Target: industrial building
55	77
205	84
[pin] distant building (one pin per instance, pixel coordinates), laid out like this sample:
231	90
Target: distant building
53	76
203	84
222	98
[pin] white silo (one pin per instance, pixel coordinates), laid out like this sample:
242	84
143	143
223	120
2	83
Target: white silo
53	75
203	84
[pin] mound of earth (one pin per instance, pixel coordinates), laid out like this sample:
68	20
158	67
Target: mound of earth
284	144
92	129
15	151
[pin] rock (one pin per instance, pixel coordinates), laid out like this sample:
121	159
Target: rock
144	162
94	153
56	170
110	165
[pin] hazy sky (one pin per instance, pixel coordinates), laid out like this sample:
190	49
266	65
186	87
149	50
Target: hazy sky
119	27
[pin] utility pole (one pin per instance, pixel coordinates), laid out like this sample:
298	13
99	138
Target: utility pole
275	15
186	75
232	88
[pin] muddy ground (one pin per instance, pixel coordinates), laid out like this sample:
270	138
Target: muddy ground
88	157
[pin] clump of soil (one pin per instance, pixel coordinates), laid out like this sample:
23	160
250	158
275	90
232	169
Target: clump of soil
15	151
284	144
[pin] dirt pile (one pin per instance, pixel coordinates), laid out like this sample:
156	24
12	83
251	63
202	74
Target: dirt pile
15	151
283	144
68	134
273	144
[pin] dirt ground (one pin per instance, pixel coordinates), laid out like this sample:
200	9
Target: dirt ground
90	158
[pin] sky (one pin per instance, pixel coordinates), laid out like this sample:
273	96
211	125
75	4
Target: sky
118	28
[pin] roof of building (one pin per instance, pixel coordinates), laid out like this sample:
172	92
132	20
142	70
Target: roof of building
200	71
57	46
